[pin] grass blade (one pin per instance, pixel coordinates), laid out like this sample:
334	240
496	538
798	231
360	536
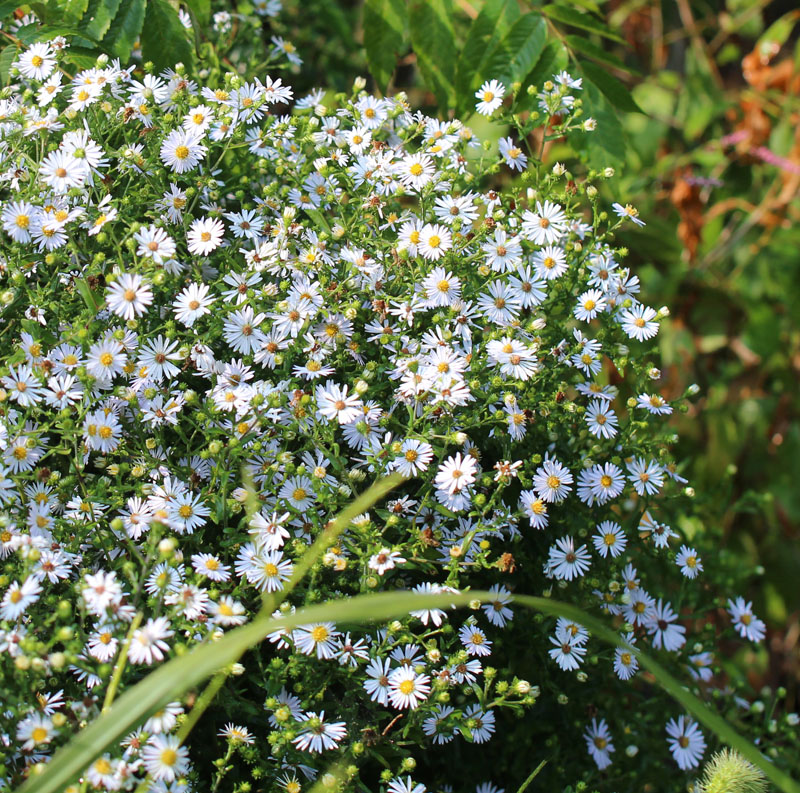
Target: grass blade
181	674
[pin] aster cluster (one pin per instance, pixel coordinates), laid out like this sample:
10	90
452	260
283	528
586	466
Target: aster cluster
223	319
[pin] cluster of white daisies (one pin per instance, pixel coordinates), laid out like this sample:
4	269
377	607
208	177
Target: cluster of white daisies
222	321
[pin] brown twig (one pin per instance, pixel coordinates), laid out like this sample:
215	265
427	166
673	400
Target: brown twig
392	723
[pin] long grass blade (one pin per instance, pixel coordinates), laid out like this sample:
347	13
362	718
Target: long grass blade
181	674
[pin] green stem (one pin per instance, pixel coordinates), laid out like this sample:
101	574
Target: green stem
122	660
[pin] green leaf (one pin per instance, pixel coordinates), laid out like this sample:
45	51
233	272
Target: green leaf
201	9
519	50
606	144
586	47
82	57
97	19
334	19
553	59
8	7
31	33
7	56
485	34
612	89
433	38
165	40
589	5
87	294
41	11
385	25
779	31
125	29
72	10
320	221
569	16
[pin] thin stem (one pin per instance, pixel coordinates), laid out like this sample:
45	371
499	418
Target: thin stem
122	660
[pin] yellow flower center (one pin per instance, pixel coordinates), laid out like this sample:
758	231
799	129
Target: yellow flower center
320	633
39	734
169	757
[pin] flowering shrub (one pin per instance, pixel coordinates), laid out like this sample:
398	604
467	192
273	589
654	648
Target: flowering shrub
223	321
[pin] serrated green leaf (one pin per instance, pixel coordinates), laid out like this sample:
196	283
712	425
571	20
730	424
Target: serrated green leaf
586	47
552	59
385	33
125	29
433	38
41	11
487	30
616	93
82	57
165	40
8	7
31	33
71	10
569	16
27	33
519	50
7	56
97	19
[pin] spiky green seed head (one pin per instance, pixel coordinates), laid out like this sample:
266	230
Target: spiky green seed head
728	772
